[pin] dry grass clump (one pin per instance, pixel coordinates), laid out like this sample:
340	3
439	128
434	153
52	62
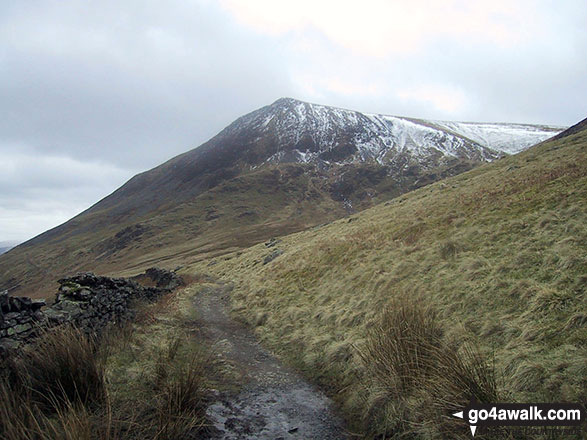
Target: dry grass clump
16	415
417	379
182	403
65	366
448	249
399	349
52	389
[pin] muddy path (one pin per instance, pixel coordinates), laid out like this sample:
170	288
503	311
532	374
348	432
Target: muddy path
271	401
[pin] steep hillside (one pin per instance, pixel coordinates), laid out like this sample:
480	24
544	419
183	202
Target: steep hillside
282	168
498	253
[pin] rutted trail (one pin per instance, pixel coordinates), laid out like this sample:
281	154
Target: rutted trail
273	402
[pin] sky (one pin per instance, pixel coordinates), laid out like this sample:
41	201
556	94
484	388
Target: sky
93	92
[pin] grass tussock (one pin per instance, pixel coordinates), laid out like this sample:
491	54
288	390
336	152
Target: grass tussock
54	387
63	367
141	381
182	402
417	378
399	350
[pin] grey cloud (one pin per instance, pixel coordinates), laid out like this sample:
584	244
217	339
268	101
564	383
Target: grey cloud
537	85
135	85
29	170
40	192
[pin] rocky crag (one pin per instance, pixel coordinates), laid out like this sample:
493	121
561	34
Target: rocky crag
88	301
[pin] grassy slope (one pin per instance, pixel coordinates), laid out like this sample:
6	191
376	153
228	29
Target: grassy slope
500	252
235	214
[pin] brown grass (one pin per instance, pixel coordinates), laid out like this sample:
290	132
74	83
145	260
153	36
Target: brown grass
399	350
417	378
182	402
50	390
64	366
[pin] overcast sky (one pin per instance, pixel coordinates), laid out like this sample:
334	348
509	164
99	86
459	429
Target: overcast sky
93	92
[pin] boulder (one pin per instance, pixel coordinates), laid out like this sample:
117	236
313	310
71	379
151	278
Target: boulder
272	256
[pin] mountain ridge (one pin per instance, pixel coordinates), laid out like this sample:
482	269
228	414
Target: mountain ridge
300	112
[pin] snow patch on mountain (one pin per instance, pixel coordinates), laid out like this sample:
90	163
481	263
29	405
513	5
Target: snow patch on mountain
305	132
507	138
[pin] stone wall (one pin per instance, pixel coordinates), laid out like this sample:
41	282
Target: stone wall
19	317
85	300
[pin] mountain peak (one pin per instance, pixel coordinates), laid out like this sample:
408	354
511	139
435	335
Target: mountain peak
285	100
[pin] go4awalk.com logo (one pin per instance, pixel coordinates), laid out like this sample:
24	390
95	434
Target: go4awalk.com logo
560	415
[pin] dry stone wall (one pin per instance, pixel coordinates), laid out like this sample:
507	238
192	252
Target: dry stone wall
19	317
88	301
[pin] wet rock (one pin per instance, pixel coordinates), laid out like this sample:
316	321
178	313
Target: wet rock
14	304
21	328
7	345
211	215
38	304
164	278
272	256
272	242
55	316
247	214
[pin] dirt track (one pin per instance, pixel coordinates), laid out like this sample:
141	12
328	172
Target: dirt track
272	401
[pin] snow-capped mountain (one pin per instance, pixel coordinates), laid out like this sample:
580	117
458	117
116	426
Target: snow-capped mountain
360	155
282	168
303	132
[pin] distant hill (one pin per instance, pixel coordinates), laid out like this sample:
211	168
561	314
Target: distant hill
279	169
5	246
